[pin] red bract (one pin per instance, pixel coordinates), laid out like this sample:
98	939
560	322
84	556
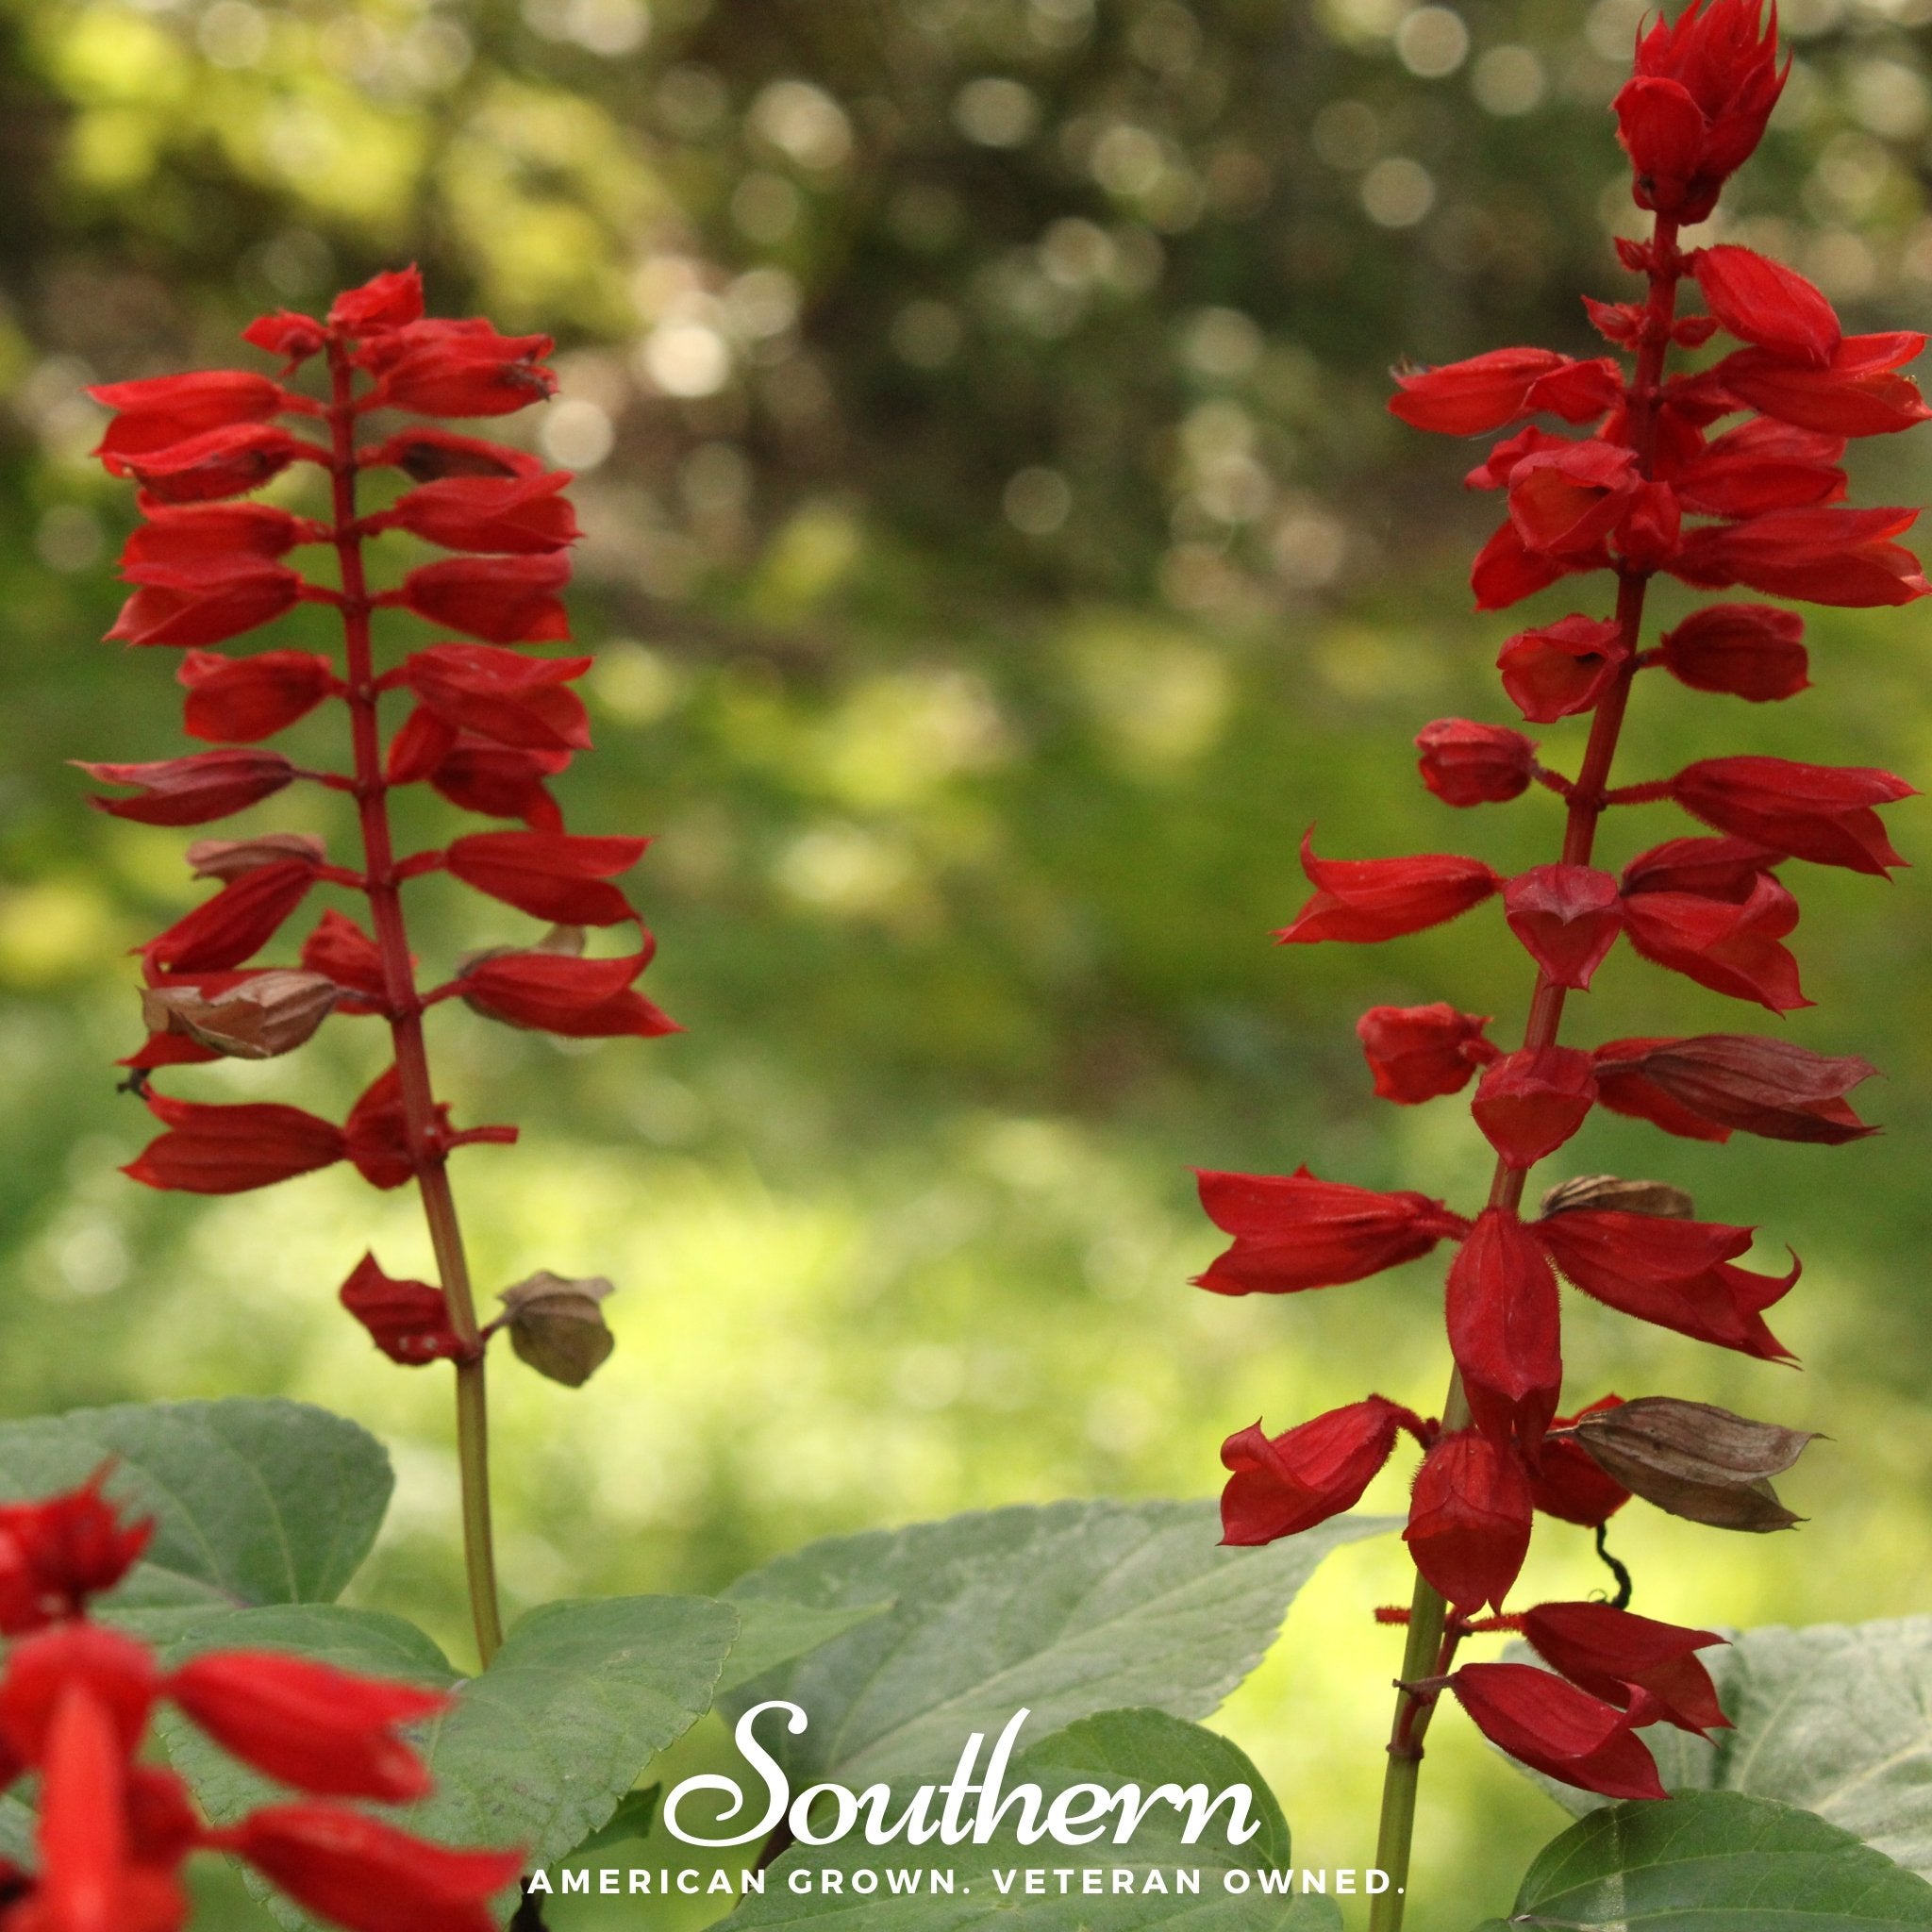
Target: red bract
1564	502
228	1150
377	1137
1829	556
507	600
1567	917
1727	1081
1856	392
1470	1518
236	924
386	301
1559	1730
1821	812
1528	1104
408	1319
456	369
1503	1319
553	876
1718	922
500	781
1473	764
1568	1484
1285	1484
1293	1231
430	455
1562	668
1763	301
1363	900
1488	391
193	790
245	699
502	695
513	514
581	999
221	534
339	950
161	411
1418	1053
224	462
1760	466
1621	1087
1749	650
1612	1653
203	602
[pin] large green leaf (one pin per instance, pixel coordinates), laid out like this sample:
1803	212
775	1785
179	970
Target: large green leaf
1835	1718
1144	1748
1066	1611
773	1631
254	1502
1715	1862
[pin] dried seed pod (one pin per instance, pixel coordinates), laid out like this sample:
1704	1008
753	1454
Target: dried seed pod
228	859
1625	1197
557	1327
268	1014
1694	1460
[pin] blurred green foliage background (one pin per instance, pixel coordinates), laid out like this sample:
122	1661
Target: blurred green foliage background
998	554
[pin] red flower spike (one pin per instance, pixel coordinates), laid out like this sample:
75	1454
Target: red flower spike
161	411
1727	1081
1857	392
386	301
427	456
408	1319
1289	1483
552	875
513	515
244	700
506	600
1567	917
203	603
578	999
322	1730
1364	900
1763	301
1570	1486
42	1669
1751	651
229	1150
1528	1104
357	1871
339	950
1470	1519
1488	391
57	1554
1292	1232
1419	1053
236	924
1503	1315
193	790
224	462
1610	1653
1562	668
1829	556
1821	812
502	695
439	368
1465	764
1557	1729
222	534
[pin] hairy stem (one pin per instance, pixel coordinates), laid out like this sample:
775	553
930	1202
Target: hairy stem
428	1156
1428	1653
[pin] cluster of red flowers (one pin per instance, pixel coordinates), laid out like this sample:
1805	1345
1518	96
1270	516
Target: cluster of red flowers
1626	496
488	726
77	1700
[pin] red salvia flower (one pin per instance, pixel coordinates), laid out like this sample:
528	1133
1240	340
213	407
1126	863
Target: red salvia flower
193	790
1828	555
229	1150
1567	1484
1728	945
580	999
162	411
1763	301
428	456
1419	1053
117	1673
1470	1519
1762	466
506	600
1612	1653
1856	392
1363	900
216	534
1748	650
385	301
1567	917
502	695
553	876
1821	812
246	699
1503	1319
1564	502
55	1554
1562	668
1559	1730
1285	1484
500	781
408	1319
204	602
224	462
1493	390
439	368
1464	763
1622	1087
236	924
510	514
1528	1104
1293	1231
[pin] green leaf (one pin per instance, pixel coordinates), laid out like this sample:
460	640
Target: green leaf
773	1631
540	1749
1835	1718
1066	1611
1115	1749
17	1833
1715	1862
637	1811
253	1502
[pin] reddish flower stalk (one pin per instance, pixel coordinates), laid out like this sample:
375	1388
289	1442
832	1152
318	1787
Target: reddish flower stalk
1711	908
489	727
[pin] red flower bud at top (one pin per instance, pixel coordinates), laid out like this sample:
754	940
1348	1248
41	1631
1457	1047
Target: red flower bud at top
228	1150
354	1871
384	301
1820	813
1565	502
1763	301
1287	1484
1503	1323
1828	555
194	790
56	1554
429	454
1293	1231
205	602
1567	917
308	1724
1729	1081
506	600
1562	668
1528	1104
408	1319
1418	1053
1568	1483
242	700
1748	650
339	950
1610	1653
1470	1519
498	513
1363	900
1561	1731
552	875
223	462
502	695
1464	763
42	1667
579	999
1488	391
439	368
1857	392
215	534
158	411
235	924
1762	466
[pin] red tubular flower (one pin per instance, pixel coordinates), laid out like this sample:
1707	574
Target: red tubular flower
427	456
1567	917
1289	1483
439	368
236	924
1821	812
500	781
507	600
579	999
1562	668
1764	301
295	338
193	790
229	1150
1503	1321
1293	1231
1418	1053
1470	1519
1464	763
1507	570
1488	391
224	462
323	1731
1364	900
1528	1104
1612	1654
1857	392
510	514
217	534
1710	910
246	699
553	876
1674	1274
162	411
1568	1484
1726	1081
1751	651
339	950
1828	555
56	1554
1559	1730
117	1672
1762	466
388	301
357	1871
1564	502
502	695
408	1319
203	602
